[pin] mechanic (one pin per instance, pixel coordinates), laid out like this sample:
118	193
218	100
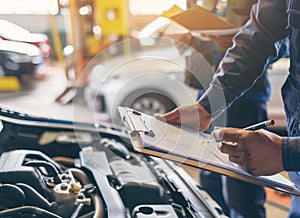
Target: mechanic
259	152
237	198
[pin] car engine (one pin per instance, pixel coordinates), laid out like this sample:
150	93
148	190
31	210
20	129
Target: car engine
56	168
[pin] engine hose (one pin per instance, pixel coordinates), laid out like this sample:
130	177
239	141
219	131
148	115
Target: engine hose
98	203
27	211
77	211
64	160
33	198
88	215
11	196
51	169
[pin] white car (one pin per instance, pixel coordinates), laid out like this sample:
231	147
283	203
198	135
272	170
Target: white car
18	59
150	81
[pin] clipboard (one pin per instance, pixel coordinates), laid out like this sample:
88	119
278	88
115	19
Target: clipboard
196	20
156	138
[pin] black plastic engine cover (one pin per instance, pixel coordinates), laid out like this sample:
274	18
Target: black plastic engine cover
13	170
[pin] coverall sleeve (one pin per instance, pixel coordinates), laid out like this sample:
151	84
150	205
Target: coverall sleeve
245	61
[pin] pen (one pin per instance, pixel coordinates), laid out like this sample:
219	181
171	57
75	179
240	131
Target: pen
256	126
260	125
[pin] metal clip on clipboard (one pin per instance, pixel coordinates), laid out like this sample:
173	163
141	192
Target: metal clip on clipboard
147	130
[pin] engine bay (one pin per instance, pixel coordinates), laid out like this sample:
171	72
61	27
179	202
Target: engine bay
55	168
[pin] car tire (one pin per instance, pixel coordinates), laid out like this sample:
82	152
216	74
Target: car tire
150	103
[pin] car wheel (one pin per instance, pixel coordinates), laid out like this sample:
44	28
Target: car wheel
150	103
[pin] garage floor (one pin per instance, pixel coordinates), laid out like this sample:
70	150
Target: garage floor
39	98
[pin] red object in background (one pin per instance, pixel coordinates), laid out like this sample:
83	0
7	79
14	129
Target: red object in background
13	32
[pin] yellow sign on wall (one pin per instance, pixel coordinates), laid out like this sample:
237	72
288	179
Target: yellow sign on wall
113	16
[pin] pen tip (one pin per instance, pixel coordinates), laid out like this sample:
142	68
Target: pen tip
271	122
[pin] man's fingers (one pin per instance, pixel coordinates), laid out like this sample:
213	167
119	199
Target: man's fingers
227	134
235	159
230	148
171	116
188	114
238	158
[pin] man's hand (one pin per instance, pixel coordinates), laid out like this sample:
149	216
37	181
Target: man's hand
223	40
192	116
183	42
258	152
